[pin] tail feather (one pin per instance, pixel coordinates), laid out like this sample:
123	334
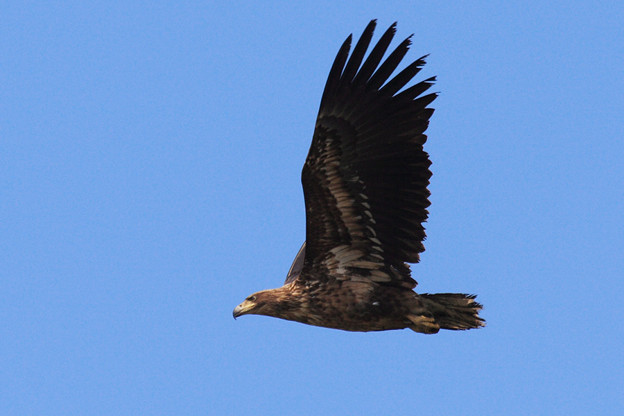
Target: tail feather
454	310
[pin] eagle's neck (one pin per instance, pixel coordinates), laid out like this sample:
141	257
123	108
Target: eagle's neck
286	302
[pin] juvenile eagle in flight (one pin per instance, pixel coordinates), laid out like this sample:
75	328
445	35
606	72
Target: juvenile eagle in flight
365	185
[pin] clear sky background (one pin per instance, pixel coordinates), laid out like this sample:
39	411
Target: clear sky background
150	159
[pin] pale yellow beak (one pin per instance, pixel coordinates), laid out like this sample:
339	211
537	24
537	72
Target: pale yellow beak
243	309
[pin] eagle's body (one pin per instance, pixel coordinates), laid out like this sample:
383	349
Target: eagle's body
347	305
365	186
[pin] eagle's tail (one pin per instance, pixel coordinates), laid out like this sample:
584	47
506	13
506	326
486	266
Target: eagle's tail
447	311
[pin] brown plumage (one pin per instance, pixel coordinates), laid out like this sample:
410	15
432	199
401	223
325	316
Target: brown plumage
365	185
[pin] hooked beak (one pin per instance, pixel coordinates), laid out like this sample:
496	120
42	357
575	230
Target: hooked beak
242	309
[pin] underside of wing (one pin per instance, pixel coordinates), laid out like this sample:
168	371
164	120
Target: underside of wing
366	175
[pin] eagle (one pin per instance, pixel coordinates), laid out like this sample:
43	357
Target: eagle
365	187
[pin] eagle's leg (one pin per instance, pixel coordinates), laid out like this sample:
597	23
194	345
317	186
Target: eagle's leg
424	323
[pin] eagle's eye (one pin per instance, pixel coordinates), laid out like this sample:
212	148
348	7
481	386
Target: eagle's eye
251	298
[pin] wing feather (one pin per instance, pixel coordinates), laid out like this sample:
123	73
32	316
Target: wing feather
366	174
297	265
358	52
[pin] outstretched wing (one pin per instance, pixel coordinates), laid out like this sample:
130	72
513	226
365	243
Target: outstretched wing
366	174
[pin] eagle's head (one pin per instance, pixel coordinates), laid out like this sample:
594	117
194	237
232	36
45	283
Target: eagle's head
253	304
279	303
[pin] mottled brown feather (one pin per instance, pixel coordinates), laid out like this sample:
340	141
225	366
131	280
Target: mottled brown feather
366	175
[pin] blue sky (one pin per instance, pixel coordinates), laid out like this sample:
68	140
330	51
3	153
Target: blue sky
150	158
